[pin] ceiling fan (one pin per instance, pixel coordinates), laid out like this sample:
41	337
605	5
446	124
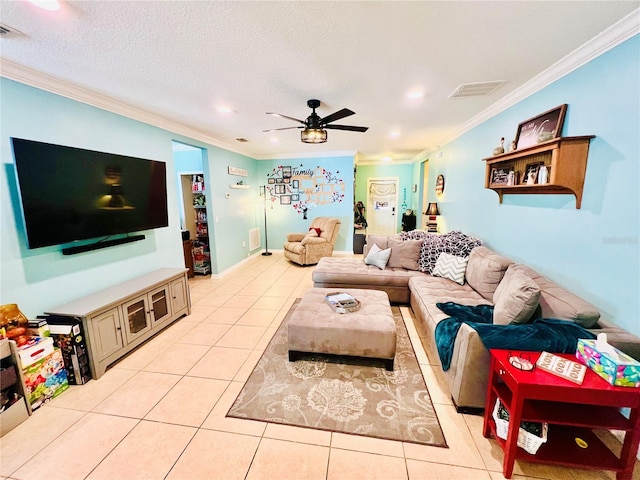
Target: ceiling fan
314	126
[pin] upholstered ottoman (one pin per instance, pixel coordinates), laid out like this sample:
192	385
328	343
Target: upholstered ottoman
369	332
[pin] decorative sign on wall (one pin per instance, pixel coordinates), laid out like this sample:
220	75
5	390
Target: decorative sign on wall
304	188
240	172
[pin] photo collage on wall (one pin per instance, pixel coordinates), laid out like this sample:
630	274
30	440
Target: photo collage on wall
304	188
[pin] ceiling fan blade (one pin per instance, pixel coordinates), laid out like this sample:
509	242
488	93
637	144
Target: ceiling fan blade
286	116
345	112
351	128
275	129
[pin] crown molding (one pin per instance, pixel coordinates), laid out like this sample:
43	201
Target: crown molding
613	36
42	81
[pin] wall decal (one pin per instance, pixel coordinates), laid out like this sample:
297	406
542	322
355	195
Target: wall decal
305	188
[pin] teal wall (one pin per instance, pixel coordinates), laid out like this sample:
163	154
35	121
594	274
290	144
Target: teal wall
283	219
594	251
231	212
43	278
404	173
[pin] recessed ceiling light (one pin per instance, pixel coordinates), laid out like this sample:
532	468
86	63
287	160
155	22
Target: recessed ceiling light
387	158
274	140
224	109
394	134
415	94
51	5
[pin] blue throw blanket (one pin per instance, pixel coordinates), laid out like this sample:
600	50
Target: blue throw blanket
542	334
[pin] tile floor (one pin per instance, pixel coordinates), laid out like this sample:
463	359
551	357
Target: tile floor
160	412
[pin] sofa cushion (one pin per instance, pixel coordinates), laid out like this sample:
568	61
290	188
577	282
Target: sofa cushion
451	267
485	271
455	243
404	254
378	256
556	302
381	240
516	298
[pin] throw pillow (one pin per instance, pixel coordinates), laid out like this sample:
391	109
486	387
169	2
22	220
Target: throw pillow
404	254
516	298
451	267
378	257
316	230
454	243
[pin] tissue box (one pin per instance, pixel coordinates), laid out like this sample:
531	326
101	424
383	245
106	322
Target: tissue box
622	372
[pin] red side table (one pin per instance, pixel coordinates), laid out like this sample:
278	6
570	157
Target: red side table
572	412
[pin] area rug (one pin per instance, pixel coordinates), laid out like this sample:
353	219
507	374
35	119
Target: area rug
339	394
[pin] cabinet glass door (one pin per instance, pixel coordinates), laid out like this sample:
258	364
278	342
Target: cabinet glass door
160	306
137	320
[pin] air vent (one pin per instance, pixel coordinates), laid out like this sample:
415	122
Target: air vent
478	89
7	31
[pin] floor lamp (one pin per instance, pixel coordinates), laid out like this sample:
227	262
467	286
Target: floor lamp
263	193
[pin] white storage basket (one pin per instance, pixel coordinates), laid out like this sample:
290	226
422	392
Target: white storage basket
526	440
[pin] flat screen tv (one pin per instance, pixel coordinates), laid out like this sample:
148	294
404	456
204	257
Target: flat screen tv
69	194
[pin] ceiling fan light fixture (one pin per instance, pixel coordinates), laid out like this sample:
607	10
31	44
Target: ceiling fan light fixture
313	135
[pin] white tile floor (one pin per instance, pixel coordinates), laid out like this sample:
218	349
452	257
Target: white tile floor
160	412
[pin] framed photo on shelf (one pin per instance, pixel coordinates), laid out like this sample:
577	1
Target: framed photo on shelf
530	176
499	176
542	128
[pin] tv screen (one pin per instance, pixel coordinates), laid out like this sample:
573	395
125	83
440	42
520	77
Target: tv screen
70	194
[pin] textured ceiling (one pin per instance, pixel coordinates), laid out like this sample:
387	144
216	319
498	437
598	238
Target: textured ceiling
181	59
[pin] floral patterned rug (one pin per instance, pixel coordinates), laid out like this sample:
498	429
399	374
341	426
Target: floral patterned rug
342	395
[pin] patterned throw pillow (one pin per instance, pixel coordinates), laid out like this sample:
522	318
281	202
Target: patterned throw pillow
454	243
378	257
414	235
451	267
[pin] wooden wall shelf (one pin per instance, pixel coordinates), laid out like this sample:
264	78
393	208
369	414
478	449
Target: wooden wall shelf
564	157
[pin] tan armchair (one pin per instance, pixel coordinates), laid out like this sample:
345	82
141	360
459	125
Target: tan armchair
307	248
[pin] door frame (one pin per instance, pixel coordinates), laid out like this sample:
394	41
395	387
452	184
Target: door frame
396	180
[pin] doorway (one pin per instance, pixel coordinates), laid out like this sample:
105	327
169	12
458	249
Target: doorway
425	184
193	207
382	203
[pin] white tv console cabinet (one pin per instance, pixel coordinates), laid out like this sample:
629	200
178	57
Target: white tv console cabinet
118	319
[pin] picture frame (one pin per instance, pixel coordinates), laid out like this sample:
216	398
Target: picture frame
541	128
285	200
531	168
271	180
440	184
295	197
296	184
499	176
286	172
280	189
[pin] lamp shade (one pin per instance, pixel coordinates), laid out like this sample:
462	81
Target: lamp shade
432	209
313	135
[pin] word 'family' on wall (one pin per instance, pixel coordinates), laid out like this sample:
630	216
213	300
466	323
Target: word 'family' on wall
304	188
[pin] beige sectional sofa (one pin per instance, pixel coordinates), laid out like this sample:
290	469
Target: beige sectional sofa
468	374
